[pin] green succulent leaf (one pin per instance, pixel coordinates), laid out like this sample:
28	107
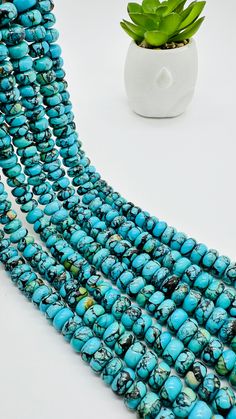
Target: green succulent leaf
138	30
172	4
189	32
144	21
150	6
130	32
156	38
170	23
195	11
180	7
134	8
161	10
186	11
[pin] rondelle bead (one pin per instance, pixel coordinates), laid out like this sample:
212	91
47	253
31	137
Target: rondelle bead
228	330
232	377
184	361
120	306
134	354
184	403
187	330
170	390
196	375
224	401
141	325
70	327
159	375
124	343
226	362
8	13
180	293
146	365
232	413
61	318
212	351
176	319
149	406
22	7
113	333
135	394
123	381
100	359
89	348
164	310
130	316
200	410
199	341
102	323
80	337
111	370
209	387
191	301
165	413
172	351
204	310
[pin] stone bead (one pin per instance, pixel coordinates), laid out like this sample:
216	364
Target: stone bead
22	7
124	343
134	354
228	330
196	375
215	289
184	361
164	311
184	403
187	330
224	401
204	310
165	413
226	298
154	301
130	316
92	314
123	381
199	341
40	293
170	390
61	318
149	406
89	348
111	370
120	306
180	293
200	410
113	333
176	319
18	51
80	337
172	351
209	387
100	359
146	365
226	362
232	413
232	377
83	305
30	18
141	325
159	375
191	301
70	327
135	394
102	323
8	13
212	351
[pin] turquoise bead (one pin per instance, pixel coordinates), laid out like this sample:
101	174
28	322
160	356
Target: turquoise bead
200	410
3	52
123	381
134	354
209	387
191	301
111	370
187	330
226	362
100	359
212	351
146	365
232	413
149	406
113	333
25	5
199	341
130	316
172	351
124	343
184	403
224	401
165	413
196	375
184	361
18	51
102	323
30	18
176	319
89	348
8	13
80	337
180	293
135	394
141	325
41	293
154	301
216	320
61	318
70	327
159	375
92	314
170	390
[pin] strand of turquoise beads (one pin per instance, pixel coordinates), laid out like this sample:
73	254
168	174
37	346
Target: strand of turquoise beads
170	276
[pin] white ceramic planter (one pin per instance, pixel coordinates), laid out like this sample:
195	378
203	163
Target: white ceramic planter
161	83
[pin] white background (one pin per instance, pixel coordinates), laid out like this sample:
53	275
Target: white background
181	170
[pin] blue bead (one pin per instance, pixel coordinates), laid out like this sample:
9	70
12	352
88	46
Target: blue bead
172	351
80	337
123	381
200	410
135	394
25	5
61	318
134	354
170	390
89	348
111	370
146	365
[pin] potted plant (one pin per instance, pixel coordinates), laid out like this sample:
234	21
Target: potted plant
161	65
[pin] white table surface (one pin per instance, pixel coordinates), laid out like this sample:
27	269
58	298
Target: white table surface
181	170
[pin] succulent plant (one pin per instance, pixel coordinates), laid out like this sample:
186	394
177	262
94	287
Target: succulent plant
155	23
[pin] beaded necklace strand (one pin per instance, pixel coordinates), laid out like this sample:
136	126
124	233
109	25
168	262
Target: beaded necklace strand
109	233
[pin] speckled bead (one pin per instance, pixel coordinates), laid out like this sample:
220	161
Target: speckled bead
111	370
135	394
92	314
130	316
187	330
89	348
228	330
170	390
184	403
191	301
102	323
165	413
113	333
100	359
149	406
180	293
123	381
176	319
184	362
199	341
120	306
209	387
200	410
196	375
212	351
232	413
80	337
159	375
134	354
164	310
61	318
146	365
224	401
172	351
141	325
8	13
226	362
204	310
70	327
232	377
